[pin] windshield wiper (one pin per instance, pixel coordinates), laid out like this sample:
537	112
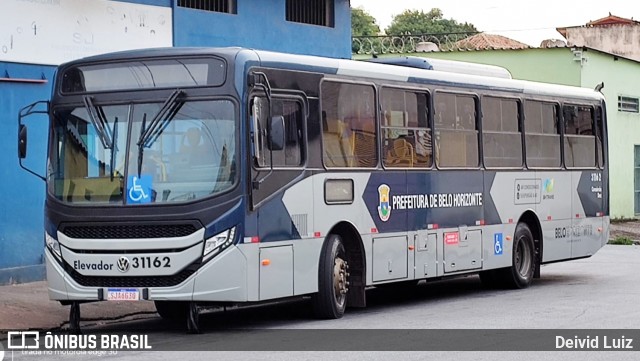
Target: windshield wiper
114	147
99	122
107	135
168	110
148	135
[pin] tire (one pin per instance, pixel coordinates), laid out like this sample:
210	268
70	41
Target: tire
523	263
173	311
331	300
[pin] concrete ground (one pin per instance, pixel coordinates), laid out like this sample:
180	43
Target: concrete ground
27	307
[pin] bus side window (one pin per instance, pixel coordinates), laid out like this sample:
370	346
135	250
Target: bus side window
502	139
406	135
456	130
579	136
349	137
542	138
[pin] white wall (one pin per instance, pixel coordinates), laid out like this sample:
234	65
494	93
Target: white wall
51	32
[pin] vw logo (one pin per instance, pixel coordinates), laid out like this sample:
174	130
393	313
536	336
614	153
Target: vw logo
123	264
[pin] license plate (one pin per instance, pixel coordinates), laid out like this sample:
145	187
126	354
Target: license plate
123	294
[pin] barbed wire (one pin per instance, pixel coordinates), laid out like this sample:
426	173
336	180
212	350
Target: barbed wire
398	44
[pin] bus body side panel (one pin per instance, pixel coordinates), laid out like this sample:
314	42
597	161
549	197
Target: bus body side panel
588	211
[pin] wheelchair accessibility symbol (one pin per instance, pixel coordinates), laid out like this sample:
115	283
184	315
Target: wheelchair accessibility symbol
139	189
497	244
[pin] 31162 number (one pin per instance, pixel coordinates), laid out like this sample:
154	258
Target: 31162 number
151	262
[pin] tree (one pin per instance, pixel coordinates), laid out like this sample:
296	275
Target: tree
417	22
363	24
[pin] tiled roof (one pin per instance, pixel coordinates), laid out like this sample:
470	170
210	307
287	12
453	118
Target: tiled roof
606	21
612	20
484	41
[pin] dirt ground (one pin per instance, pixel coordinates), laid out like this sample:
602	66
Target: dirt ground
629	229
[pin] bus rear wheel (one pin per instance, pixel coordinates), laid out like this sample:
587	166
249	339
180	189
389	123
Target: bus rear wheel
173	311
523	264
331	300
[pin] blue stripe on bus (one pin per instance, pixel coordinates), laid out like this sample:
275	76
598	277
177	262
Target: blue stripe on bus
417	200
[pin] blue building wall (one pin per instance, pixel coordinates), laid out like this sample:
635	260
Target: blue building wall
262	25
258	24
21	194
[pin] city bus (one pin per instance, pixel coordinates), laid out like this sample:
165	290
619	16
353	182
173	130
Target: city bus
208	177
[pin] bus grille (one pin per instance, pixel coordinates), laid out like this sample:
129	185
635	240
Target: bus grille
136	281
128	231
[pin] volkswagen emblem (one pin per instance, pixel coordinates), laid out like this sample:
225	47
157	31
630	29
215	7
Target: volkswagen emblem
123	264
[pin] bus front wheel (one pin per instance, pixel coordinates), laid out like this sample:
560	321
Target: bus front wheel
523	264
333	272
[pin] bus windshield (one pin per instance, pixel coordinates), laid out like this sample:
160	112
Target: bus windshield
100	154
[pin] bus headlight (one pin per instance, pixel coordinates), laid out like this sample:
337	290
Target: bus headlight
53	245
217	243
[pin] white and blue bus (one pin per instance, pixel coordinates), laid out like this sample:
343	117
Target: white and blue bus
226	176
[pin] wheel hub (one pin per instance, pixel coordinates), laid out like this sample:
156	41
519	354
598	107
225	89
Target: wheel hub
340	279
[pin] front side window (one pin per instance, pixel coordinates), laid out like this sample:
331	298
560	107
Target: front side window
291	111
187	154
348	125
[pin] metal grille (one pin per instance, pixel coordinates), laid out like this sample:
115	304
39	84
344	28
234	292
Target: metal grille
315	12
628	104
128	231
136	281
220	6
300	223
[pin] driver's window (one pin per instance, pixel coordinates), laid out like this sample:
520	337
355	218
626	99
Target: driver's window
291	111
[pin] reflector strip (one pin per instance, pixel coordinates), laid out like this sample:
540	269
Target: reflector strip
548	218
317	234
374	230
255	239
432	226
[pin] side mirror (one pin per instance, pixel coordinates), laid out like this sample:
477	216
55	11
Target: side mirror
276	133
22	141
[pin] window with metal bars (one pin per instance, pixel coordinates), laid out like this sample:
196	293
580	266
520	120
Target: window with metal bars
220	6
314	12
628	104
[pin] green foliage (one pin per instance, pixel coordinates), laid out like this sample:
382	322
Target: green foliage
363	24
622	240
417	22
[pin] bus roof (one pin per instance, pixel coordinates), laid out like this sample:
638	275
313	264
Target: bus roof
354	68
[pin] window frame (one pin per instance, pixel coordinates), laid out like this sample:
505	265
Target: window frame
559	131
593	128
429	119
329	20
626	100
294	96
231	4
520	118
436	144
376	120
